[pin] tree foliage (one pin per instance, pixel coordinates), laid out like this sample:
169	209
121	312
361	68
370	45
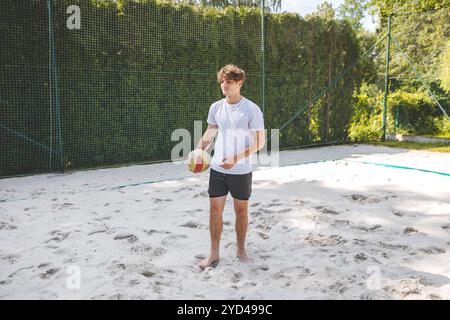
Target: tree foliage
271	4
445	68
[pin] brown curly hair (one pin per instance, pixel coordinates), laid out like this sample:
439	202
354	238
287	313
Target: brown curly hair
230	72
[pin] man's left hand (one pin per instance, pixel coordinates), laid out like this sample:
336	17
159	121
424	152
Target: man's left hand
229	162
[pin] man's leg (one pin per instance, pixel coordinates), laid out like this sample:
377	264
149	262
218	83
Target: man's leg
241	210
215	229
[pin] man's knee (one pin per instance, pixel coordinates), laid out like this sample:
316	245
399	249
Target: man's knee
241	213
216	208
215	211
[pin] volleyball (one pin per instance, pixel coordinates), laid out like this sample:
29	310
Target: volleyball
198	161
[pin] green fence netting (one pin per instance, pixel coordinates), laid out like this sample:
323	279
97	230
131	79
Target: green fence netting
113	91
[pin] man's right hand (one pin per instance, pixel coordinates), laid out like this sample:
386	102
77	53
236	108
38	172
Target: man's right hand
196	155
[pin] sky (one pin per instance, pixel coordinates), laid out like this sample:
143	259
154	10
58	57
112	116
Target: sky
304	7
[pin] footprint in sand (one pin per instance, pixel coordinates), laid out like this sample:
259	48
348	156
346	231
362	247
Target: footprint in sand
340	223
57	236
7	226
326	210
263	227
19	270
279	275
153	231
359	242
255	214
183	189
103	218
367	229
433	250
324	240
90	233
200	257
255	204
158	200
38	193
284	210
65	205
203	194
5	282
11	258
339	287
364	199
410	230
47	274
134	282
148	274
394	246
169	240
360	257
404	288
128	236
262	235
339	259
274	205
191	224
304	272
398	213
385	255
193	211
301	202
43	265
262	268
147	250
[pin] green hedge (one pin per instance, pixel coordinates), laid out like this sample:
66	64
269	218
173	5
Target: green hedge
408	113
138	70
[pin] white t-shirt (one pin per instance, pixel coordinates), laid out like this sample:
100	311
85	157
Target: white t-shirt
236	123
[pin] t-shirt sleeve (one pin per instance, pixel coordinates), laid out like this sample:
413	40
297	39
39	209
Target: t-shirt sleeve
211	115
257	120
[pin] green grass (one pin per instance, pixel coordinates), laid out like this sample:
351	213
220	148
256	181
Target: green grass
436	147
440	135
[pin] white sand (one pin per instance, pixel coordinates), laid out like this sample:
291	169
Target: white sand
326	230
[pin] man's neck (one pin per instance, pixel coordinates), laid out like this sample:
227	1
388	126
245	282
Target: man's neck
234	99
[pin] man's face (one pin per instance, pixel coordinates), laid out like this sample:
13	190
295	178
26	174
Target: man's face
231	87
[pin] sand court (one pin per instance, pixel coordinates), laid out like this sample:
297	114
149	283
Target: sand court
340	222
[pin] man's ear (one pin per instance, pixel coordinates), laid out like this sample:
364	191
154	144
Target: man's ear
240	83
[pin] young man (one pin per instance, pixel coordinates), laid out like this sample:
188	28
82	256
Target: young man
239	124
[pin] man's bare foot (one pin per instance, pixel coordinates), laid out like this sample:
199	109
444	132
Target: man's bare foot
211	261
244	257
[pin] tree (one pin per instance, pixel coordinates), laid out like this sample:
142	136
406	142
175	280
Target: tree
353	11
325	10
421	28
391	6
271	4
445	69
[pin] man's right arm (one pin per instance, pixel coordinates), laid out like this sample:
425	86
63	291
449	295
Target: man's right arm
208	137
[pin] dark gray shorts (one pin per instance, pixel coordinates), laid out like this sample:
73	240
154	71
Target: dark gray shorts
239	185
